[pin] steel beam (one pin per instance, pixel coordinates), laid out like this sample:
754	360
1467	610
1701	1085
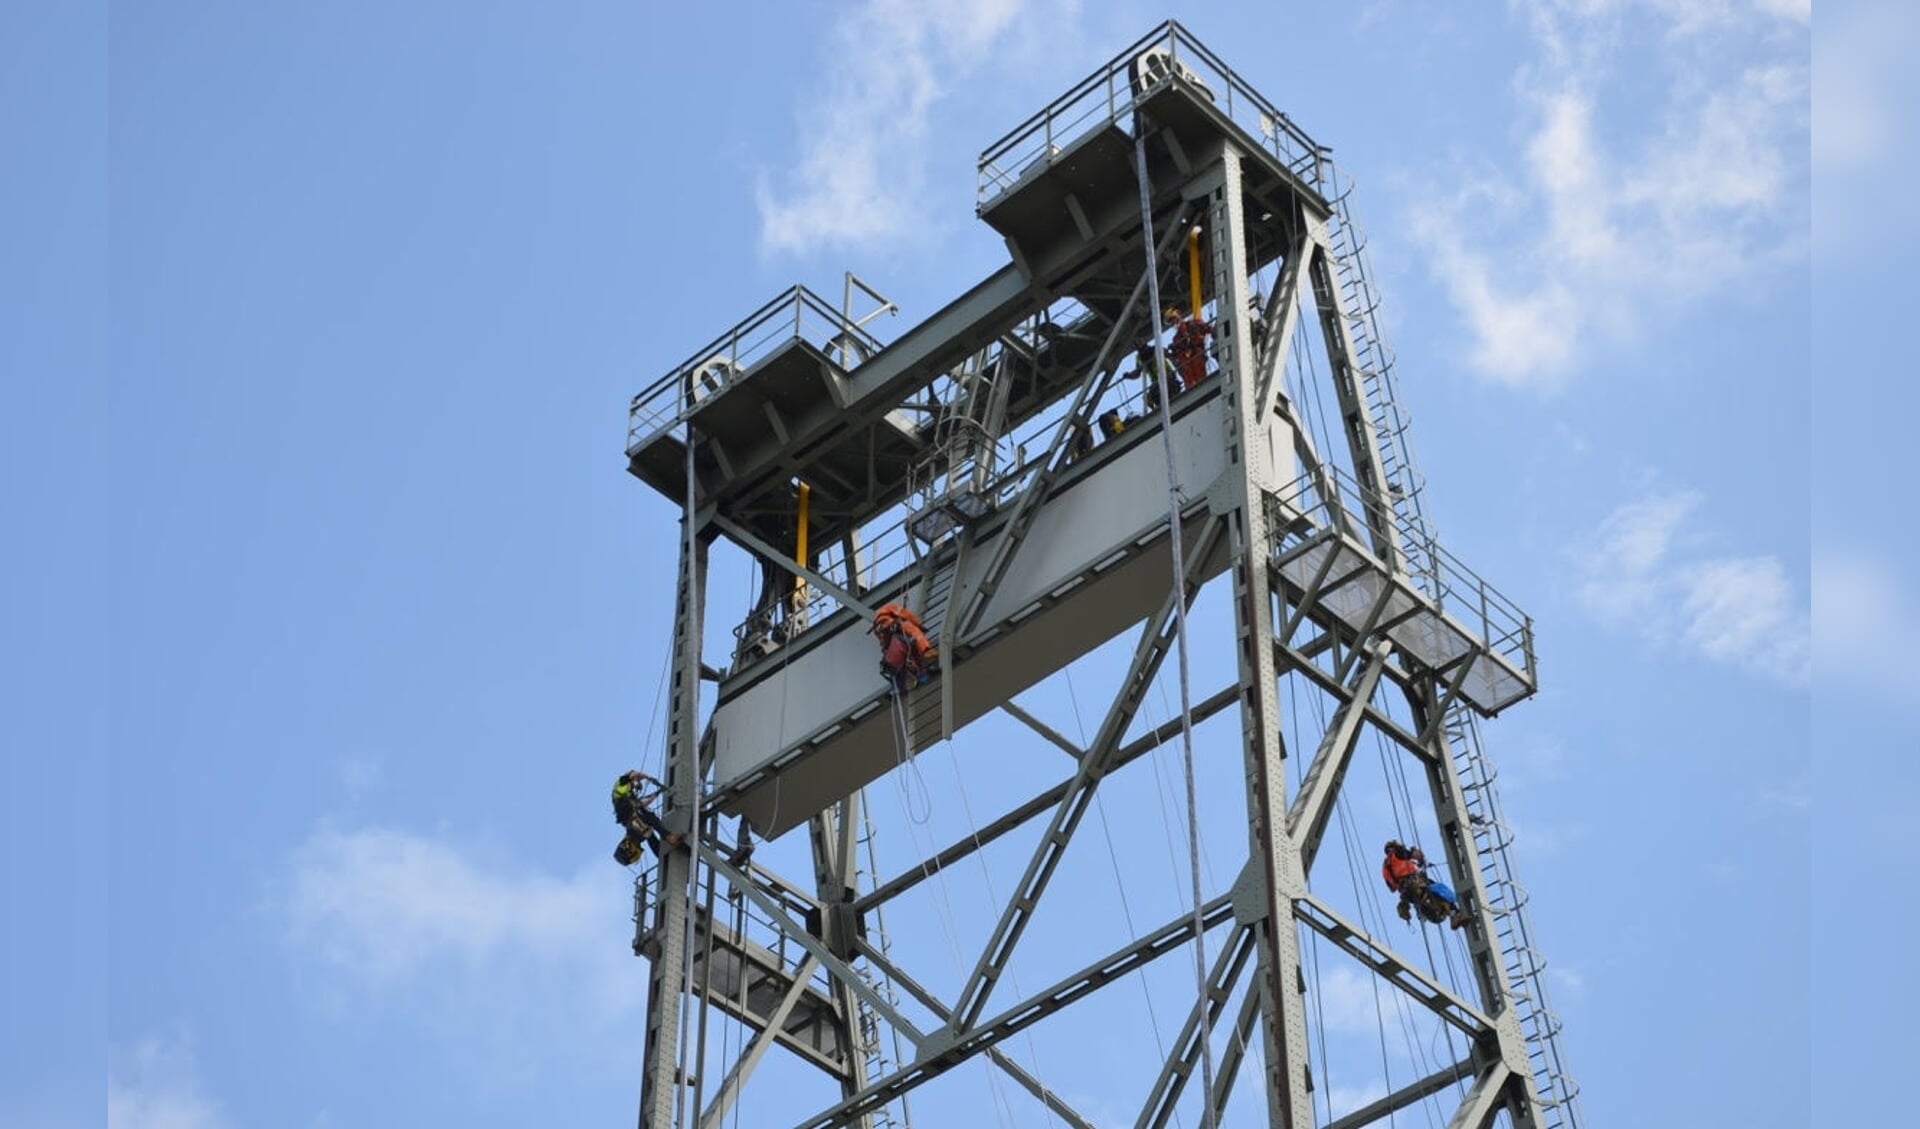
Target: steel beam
949	1049
974	603
1392	967
1252	441
943	1013
1464	864
1307	819
1299	662
1156	642
667	976
798	934
774	556
1052	736
1404	1096
1271	363
1236	1051
1485	1100
742	1068
1184	1056
836	873
1127	754
1355	422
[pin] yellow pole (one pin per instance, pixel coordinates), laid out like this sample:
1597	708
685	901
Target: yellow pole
1193	269
800	550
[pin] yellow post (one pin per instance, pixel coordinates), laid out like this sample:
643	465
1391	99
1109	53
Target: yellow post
800	552
1193	269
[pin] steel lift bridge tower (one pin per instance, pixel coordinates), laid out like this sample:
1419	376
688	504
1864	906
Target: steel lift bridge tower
998	469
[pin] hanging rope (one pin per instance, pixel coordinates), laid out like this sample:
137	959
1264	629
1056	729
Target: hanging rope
903	753
691	890
1120	884
1208	1116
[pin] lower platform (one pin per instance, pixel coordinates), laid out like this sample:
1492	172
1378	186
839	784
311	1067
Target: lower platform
801	730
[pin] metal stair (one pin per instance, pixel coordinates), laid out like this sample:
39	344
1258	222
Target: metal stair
927	714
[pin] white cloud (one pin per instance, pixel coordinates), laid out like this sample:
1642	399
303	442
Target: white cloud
1571	980
1865	616
385	903
521	960
156	1086
1604	219
1863	119
863	146
1743	610
1640	573
1352	1002
1342	1100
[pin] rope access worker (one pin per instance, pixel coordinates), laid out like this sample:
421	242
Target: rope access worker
631	810
1188	351
1405	871
907	657
1147	367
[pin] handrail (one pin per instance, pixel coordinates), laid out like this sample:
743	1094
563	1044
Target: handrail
1506	630
1110	95
796	314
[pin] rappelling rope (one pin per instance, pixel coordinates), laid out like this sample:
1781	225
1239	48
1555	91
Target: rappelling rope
1002	1108
693	824
1119	883
904	756
1208	1116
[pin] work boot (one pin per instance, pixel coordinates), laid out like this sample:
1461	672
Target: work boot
1461	919
674	839
1405	912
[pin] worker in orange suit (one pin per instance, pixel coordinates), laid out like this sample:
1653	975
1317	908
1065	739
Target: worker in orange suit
1405	872
1189	348
907	656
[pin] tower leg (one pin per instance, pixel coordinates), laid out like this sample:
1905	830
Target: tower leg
1252	442
660	1085
836	872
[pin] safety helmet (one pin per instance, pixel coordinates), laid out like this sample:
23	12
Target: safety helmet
1172	313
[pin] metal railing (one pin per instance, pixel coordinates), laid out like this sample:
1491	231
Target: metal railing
797	314
1167	55
890	552
755	926
1332	499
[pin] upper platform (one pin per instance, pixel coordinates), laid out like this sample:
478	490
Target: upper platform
800	390
1069	169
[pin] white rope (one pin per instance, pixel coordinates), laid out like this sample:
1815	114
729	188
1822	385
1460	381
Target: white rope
687	552
943	904
1208	1116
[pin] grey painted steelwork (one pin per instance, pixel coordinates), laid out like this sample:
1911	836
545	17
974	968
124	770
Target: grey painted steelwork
1021	560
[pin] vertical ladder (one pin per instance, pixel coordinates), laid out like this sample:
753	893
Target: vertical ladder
1521	963
1378	388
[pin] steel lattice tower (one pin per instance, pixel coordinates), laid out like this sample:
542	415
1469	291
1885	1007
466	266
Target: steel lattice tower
956	469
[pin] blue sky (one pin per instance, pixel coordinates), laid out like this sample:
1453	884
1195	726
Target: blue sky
384	612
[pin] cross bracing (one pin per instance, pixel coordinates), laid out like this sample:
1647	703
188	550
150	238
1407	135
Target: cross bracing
969	972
